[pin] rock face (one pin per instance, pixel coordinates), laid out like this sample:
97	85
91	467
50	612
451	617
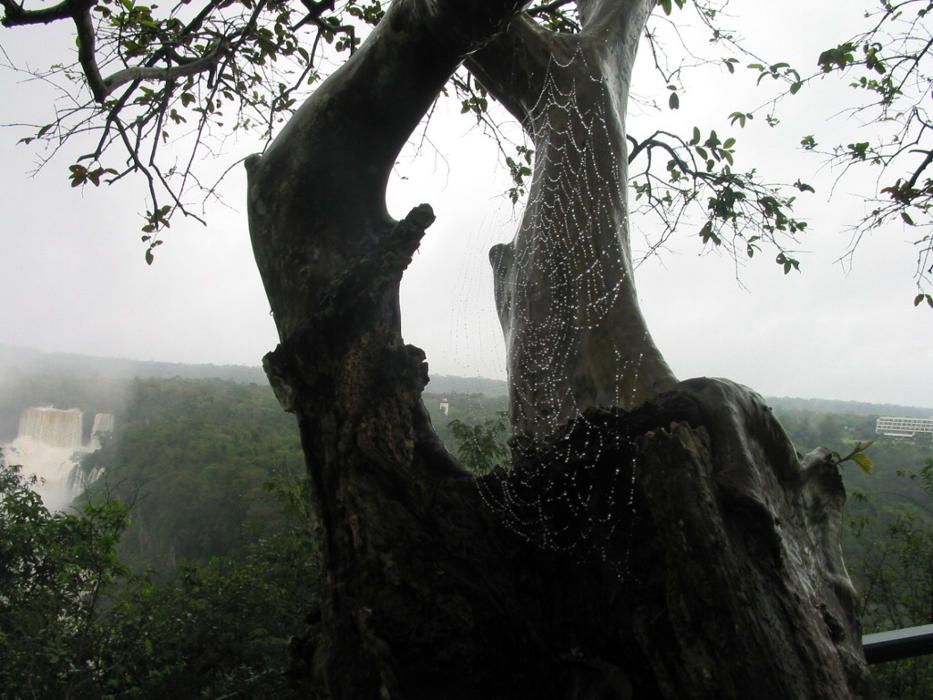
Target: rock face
49	446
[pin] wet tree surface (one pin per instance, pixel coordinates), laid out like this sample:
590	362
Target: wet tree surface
652	538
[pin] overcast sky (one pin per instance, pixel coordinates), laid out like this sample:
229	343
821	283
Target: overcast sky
74	280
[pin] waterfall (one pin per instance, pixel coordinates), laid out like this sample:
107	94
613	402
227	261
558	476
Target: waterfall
103	425
48	446
52	426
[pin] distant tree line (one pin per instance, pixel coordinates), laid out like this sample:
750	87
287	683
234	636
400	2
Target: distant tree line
184	572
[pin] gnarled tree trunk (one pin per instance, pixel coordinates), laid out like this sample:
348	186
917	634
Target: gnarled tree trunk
702	558
565	291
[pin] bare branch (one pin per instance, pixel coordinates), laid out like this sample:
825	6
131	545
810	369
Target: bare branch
86	52
16	15
164	74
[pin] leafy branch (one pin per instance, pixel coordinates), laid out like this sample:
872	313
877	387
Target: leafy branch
741	211
857	455
166	86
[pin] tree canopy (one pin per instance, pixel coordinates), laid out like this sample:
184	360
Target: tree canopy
221	625
151	90
183	572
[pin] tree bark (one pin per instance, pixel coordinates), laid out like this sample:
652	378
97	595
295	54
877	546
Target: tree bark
565	289
702	557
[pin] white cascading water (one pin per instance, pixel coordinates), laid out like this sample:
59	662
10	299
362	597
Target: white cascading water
49	446
103	425
52	426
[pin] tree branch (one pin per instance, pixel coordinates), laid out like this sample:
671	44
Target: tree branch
512	66
396	73
15	15
315	10
167	73
86	50
919	171
549	8
597	16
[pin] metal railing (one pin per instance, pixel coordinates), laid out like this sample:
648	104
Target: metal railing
898	644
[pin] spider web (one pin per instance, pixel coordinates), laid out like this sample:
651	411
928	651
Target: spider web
561	285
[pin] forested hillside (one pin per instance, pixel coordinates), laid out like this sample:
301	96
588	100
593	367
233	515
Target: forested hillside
189	570
196	458
188	567
93	384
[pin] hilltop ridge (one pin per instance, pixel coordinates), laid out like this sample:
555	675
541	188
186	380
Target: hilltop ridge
29	377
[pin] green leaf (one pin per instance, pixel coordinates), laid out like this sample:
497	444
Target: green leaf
739	117
787	262
839	57
78	174
673	101
864	461
706	233
803	186
859	151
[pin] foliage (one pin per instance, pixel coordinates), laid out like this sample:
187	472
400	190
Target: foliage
54	572
222	624
158	74
165	81
481	447
890	67
214	629
467	408
75	623
93	384
177	79
895	577
858	456
194	458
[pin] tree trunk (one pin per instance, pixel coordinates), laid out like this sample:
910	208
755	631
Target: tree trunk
565	290
675	550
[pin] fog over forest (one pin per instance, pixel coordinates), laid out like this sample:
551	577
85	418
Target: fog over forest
216	477
29	377
841	328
